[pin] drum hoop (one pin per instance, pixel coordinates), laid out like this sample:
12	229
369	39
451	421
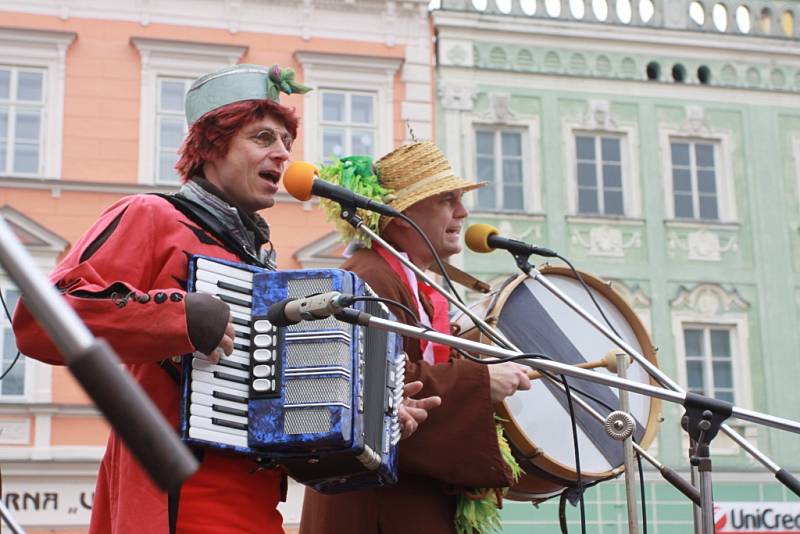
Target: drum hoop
512	429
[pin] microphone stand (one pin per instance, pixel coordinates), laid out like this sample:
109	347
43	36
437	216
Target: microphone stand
702	427
349	214
704	415
151	440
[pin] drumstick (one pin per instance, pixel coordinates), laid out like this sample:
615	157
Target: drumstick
609	361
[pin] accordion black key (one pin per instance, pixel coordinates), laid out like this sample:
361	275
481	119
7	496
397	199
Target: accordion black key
319	398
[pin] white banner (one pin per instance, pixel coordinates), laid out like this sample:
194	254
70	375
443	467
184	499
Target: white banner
756	517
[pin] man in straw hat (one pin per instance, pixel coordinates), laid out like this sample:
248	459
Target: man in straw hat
457	450
126	277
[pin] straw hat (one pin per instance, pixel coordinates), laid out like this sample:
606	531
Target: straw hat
415	172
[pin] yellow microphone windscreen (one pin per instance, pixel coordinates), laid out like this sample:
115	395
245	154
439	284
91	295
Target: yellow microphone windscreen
477	237
299	178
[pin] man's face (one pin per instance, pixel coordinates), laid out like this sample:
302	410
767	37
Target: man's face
441	217
249	173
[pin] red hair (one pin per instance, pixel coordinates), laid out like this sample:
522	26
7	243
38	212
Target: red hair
210	137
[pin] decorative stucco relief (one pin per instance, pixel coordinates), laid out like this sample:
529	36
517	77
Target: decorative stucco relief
606	241
709	300
702	245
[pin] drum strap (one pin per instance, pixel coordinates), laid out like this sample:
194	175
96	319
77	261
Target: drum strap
538	332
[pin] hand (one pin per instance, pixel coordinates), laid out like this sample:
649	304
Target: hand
506	378
225	344
414	411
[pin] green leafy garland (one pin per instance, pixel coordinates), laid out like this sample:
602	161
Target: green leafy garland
356	174
477	510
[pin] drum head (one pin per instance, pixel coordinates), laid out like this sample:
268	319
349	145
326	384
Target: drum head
538	425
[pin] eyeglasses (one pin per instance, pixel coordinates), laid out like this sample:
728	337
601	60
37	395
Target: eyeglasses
267	137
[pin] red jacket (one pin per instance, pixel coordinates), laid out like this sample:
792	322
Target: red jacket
130	290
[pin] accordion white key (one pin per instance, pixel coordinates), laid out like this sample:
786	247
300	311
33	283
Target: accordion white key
319	397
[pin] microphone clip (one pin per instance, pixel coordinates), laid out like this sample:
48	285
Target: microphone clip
350	214
522	262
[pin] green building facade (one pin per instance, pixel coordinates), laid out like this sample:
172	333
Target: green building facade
656	144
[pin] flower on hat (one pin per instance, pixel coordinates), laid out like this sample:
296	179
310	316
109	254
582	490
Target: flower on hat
282	80
356	173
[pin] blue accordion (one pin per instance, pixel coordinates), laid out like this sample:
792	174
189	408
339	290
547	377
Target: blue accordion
319	398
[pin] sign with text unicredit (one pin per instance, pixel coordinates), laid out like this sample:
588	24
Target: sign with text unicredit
757	517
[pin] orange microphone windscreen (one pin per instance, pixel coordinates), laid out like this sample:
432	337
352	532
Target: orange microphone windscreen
477	237
299	178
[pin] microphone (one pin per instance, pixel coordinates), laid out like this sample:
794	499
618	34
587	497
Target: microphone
292	311
483	238
301	180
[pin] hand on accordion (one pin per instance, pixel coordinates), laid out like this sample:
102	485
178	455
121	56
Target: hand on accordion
414	411
225	347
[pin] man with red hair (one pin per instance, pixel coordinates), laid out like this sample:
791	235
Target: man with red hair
126	278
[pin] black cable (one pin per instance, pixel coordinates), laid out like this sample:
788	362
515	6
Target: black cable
589	291
567	389
8	314
577	453
642	491
391	302
435	255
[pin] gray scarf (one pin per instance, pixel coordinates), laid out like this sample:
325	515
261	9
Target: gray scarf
248	229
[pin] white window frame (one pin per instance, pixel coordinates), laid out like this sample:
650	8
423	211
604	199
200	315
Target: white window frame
171	59
631	189
737	322
723	158
598	163
38	375
42	50
692	142
348	126
531	158
351	73
161	114
498	130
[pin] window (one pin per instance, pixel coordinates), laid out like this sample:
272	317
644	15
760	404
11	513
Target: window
14	382
347	124
22	103
599	175
31	101
694	180
352	110
168	69
499	161
171	126
709	361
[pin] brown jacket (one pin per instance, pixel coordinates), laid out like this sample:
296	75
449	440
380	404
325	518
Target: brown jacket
455	447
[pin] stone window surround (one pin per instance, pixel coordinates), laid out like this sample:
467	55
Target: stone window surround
348	72
176	59
736	320
46	50
629	150
723	158
531	158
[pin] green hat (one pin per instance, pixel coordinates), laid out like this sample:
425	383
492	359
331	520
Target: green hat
237	83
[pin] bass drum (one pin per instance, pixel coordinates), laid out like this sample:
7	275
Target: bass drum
537	422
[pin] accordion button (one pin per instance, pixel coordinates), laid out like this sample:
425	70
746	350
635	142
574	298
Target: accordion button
262	326
262	371
263	355
160	297
263	384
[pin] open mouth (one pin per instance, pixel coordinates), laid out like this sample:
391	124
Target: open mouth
271	176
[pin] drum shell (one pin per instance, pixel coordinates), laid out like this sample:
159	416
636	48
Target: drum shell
544	475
